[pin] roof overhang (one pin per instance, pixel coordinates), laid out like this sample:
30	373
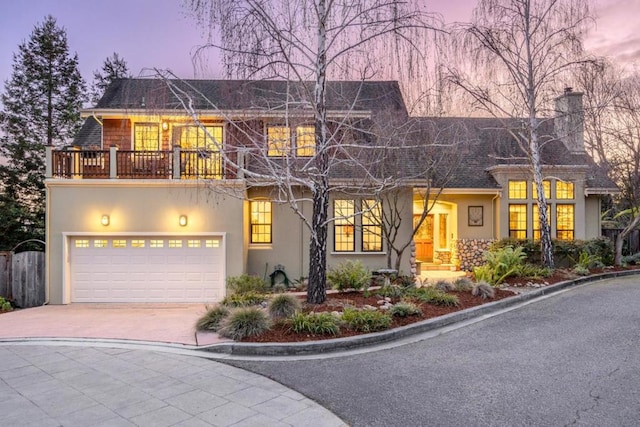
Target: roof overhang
109	113
526	167
597	191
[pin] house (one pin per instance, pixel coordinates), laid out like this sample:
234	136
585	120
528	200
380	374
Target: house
147	206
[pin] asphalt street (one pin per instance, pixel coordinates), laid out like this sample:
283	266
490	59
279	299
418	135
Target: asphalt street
570	359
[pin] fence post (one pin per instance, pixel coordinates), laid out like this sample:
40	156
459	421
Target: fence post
48	156
176	162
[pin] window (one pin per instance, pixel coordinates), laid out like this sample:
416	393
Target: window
517	189
146	137
201	156
137	243
536	220
206	137
82	243
278	141
564	222
154	243
518	221
371	226
546	184
193	243
175	243
442	230
305	141
119	243
261	221
210	243
100	244
343	227
564	190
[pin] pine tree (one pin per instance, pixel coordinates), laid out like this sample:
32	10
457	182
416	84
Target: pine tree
40	106
114	67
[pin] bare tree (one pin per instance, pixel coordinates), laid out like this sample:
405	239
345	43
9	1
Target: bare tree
520	51
312	41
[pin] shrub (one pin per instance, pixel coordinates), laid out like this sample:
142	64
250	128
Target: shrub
315	323
434	296
5	305
243	300
587	261
580	270
483	290
444	286
349	275
564	251
284	305
366	320
244	322
301	284
404	281
210	321
534	271
463	284
391	291
631	259
500	264
246	284
404	309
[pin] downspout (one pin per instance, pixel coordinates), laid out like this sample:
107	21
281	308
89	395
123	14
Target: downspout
493	222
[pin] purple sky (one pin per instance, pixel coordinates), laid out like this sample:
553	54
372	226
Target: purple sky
158	33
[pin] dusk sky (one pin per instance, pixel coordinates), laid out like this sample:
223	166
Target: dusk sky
159	33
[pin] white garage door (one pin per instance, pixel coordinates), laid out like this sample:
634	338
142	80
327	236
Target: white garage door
146	269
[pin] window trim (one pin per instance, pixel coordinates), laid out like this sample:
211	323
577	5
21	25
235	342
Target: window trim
375	223
347	221
571	230
517	230
146	124
510	191
571	188
286	148
268	223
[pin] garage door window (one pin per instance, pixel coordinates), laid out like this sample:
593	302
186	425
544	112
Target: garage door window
119	244
100	244
193	243
212	243
175	243
156	243
82	243
137	243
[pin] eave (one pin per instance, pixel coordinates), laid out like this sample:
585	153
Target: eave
110	113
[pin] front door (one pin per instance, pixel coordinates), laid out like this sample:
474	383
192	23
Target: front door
424	239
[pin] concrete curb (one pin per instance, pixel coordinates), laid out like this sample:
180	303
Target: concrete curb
350	343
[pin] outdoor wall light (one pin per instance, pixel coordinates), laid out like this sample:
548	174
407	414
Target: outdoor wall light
182	220
104	220
165	126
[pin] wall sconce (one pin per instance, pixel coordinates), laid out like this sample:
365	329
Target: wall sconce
104	220
165	126
182	220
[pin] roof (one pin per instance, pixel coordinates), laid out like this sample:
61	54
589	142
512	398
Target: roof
247	95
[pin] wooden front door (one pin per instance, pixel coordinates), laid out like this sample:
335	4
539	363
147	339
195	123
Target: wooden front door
424	239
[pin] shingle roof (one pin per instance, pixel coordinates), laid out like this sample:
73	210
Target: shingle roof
251	95
90	134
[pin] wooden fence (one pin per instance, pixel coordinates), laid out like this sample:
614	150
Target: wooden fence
22	277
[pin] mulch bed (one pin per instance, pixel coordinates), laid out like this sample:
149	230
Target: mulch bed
280	332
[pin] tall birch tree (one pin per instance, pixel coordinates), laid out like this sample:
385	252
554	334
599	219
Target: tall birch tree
314	41
521	52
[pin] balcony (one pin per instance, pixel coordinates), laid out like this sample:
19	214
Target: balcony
120	164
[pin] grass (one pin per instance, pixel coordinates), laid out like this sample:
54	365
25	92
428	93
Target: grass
244	322
210	321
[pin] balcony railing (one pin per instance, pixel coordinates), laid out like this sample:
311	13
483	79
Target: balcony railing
121	164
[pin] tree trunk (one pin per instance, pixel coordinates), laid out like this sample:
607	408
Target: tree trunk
316	289
618	248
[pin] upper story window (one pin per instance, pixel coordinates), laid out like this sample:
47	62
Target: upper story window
278	141
146	137
546	185
261	221
305	141
518	190
564	190
282	142
205	137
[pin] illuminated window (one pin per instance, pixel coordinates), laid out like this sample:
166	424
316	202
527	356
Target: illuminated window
137	243
201	158
100	243
564	222
193	243
156	243
119	243
517	189
175	243
518	221
443	231
343	227
278	141
305	141
82	243
564	190
146	137
212	243
371	226
260	221
547	189
536	220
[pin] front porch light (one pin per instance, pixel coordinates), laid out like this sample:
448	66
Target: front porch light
182	220
104	220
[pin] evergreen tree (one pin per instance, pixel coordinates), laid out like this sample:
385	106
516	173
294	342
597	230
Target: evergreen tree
114	67
40	106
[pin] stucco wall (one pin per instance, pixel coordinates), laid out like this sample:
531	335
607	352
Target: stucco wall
593	225
139	207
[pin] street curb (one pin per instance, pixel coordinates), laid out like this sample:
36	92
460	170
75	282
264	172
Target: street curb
350	343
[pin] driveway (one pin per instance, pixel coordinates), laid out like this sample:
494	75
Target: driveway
570	359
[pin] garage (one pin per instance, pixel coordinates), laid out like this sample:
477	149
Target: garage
146	268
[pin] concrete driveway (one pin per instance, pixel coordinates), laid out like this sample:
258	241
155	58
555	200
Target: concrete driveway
570	359
165	323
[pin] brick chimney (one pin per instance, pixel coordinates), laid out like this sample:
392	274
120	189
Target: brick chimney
569	120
